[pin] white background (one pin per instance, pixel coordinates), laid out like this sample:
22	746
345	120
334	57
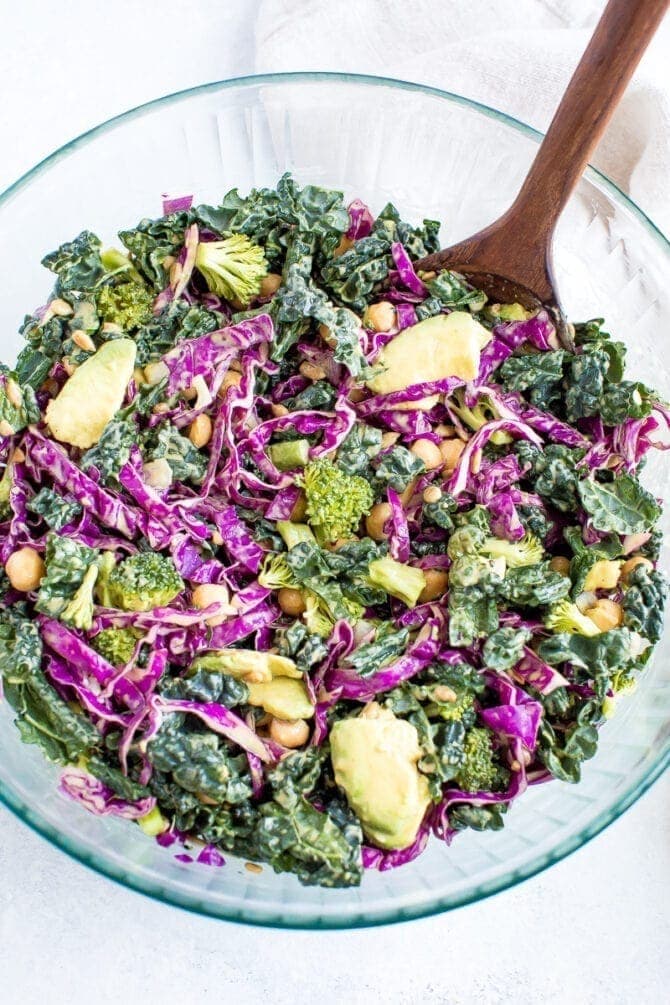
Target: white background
594	929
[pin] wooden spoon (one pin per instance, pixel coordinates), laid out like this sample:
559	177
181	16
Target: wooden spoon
511	260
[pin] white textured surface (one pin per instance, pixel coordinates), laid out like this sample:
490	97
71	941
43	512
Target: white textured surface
593	929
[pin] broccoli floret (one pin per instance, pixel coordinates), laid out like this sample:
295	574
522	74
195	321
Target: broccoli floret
317	617
481	771
478	415
527	551
466	540
116	645
276	573
232	268
461	709
398	580
564	616
335	501
79	611
128	305
143	582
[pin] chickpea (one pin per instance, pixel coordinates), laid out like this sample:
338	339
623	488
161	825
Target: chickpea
436	584
299	511
157	474
231	379
380	317
446	432
451	450
289	734
154	373
25	569
207	594
311	371
6	428
375	520
291	602
432	494
200	431
279	410
606	614
633	563
560	564
111	328
269	285
428	452
217	539
345	244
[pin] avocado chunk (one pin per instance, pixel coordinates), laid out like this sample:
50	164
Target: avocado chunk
247	665
94	393
375	759
283	697
447	345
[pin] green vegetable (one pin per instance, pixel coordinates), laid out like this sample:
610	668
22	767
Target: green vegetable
565	616
152	241
79	611
43	718
527	551
186	462
18	405
232	268
66	591
387	644
534	585
128	305
481	770
504	648
397	467
199	762
56	511
597	658
622	506
116	645
553	472
143	582
293	534
112	449
398	580
289	455
644	602
276	573
361	445
563	749
77	263
538	375
336	502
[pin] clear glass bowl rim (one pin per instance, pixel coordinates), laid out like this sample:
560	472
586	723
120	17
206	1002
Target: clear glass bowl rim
193	904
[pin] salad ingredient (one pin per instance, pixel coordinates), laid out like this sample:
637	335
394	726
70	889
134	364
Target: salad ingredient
142	582
25	569
375	758
308	555
92	395
447	345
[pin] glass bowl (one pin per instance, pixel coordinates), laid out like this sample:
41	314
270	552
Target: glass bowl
434	155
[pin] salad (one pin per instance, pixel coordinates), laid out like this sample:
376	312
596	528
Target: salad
309	555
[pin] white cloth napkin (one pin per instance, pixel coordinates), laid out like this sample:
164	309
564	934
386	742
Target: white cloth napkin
516	55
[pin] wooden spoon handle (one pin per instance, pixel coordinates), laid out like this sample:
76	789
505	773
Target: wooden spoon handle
621	36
